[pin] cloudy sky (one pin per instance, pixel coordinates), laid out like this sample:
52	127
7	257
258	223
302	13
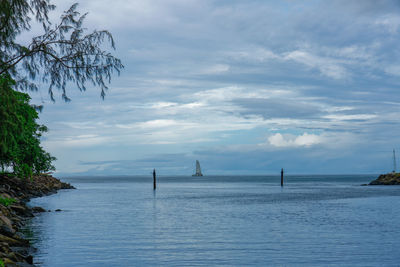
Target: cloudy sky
246	87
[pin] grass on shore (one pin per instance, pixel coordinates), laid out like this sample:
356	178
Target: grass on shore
7	201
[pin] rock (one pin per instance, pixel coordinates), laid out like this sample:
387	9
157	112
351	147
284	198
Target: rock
6	221
20	210
19	257
7	231
29	259
14	241
58	210
38	209
12	256
5	195
387	179
375	182
8	262
14	249
5	211
4	247
67	186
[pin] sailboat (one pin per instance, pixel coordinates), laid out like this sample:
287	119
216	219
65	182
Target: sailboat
198	170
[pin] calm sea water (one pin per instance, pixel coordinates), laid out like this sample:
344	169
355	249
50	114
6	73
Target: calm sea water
219	221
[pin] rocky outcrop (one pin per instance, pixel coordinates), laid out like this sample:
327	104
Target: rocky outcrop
387	179
14	193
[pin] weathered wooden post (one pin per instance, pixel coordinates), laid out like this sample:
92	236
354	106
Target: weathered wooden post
154	179
282	177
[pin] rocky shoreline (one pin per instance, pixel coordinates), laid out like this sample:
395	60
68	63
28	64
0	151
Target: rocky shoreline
15	250
387	179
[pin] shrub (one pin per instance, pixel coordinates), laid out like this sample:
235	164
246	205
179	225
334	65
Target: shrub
20	148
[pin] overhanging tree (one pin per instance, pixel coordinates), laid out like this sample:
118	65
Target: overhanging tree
63	53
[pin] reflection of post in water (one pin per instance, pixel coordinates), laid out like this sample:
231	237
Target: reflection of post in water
154	210
154	179
282	177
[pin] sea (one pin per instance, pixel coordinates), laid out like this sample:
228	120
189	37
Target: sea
313	220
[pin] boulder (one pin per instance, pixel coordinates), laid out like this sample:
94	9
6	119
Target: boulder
21	210
7	231
14	241
6	221
38	209
29	259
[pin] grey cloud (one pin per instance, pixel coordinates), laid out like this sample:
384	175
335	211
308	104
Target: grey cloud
279	108
174	50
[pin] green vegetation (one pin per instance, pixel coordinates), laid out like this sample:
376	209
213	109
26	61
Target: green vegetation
20	134
7	201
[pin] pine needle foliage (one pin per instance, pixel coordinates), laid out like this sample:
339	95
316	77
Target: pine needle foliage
64	53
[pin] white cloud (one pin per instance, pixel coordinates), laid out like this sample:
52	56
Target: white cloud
342	117
86	140
393	70
162	123
338	109
193	105
138	14
354	52
161	105
253	54
79	125
327	66
304	140
226	94
390	23
215	69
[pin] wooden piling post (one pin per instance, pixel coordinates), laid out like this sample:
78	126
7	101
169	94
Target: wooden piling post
154	179
282	177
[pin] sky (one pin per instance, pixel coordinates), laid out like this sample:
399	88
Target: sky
245	87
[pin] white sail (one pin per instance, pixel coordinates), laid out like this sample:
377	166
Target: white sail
198	169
